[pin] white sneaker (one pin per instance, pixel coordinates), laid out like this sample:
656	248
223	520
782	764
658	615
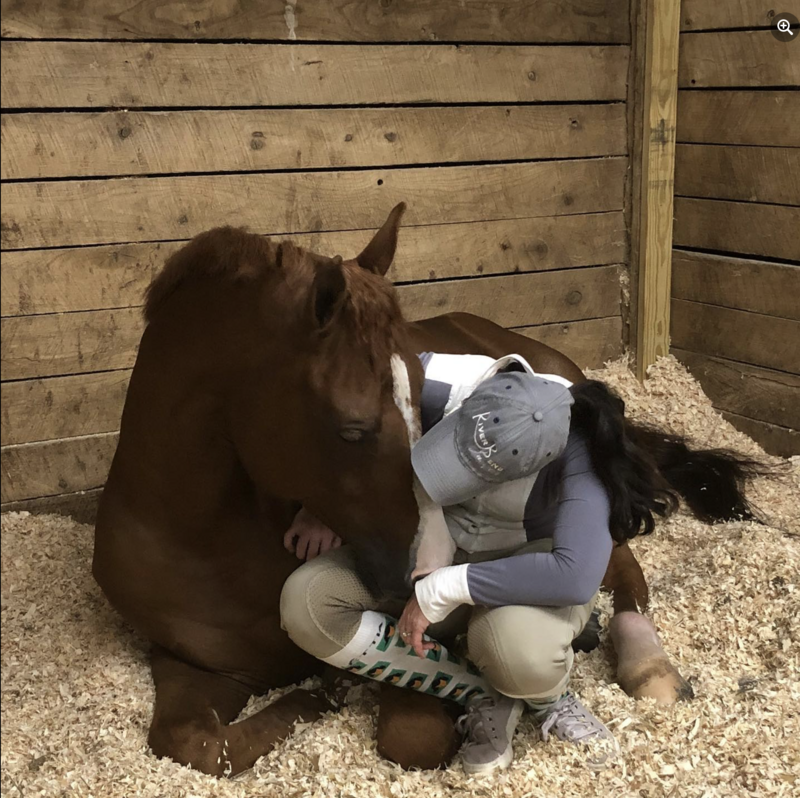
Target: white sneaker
570	720
489	723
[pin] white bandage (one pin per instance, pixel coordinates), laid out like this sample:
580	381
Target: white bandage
442	591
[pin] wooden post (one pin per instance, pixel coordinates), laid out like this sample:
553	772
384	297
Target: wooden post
652	246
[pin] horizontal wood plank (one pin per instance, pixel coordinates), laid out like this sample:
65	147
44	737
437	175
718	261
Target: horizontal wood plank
135	75
84	404
763	394
329	20
62	407
50	468
61	280
589	343
74	343
715	14
168	208
39	145
738	58
748	174
744	228
521	299
769	288
773	439
764	118
750	338
82	506
70	343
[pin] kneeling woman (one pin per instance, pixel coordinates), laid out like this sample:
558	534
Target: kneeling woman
538	480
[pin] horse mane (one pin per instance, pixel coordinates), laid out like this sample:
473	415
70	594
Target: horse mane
226	252
371	316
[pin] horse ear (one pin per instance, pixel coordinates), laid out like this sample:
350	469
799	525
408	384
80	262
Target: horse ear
379	253
328	292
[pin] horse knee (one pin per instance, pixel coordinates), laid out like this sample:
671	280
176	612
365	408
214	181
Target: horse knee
194	742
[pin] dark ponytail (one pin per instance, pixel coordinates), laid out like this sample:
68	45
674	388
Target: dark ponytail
636	489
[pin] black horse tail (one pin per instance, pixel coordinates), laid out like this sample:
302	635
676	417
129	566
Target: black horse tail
710	481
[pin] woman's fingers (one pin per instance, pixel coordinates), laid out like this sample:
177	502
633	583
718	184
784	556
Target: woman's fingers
302	546
288	540
314	548
417	643
327	542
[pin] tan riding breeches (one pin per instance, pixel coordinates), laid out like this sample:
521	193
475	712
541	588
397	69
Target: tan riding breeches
523	652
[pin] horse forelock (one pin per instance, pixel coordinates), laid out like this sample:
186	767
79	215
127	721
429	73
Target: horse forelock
372	315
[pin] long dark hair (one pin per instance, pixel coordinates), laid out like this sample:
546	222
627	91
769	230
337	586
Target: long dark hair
645	470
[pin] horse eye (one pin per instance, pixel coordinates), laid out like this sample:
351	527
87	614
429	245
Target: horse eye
352	435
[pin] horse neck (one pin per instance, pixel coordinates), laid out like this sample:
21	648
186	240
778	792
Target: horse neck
174	438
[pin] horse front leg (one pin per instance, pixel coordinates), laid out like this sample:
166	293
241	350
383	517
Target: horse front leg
644	669
192	722
417	730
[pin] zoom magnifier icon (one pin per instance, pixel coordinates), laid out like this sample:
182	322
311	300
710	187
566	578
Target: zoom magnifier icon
785	27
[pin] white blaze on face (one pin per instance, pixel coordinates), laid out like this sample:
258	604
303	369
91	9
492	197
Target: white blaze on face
402	398
433	546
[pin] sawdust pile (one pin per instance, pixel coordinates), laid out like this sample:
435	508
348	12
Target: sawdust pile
77	696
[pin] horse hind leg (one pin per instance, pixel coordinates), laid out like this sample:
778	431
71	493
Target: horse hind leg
192	722
644	669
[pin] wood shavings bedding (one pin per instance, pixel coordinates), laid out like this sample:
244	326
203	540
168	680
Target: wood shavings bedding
77	694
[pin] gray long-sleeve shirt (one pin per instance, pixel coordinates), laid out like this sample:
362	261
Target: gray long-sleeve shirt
574	515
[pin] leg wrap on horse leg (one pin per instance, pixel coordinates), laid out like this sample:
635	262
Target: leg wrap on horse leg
377	651
328	611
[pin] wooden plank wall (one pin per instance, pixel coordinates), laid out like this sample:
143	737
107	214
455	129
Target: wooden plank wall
736	261
131	126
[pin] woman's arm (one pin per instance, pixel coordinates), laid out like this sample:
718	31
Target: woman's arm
568	575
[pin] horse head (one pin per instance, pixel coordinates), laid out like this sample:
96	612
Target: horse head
318	383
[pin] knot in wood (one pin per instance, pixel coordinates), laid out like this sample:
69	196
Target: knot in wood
574	297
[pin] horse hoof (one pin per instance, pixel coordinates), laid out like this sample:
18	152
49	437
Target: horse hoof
643	667
589	638
416	730
656	679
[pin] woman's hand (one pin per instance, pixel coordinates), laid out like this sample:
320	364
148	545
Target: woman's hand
307	537
412	626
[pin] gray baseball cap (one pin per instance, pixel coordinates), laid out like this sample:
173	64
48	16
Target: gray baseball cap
510	426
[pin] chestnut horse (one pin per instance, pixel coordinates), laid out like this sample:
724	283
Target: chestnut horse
267	378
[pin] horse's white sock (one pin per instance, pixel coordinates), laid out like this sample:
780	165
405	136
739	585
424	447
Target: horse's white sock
378	652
